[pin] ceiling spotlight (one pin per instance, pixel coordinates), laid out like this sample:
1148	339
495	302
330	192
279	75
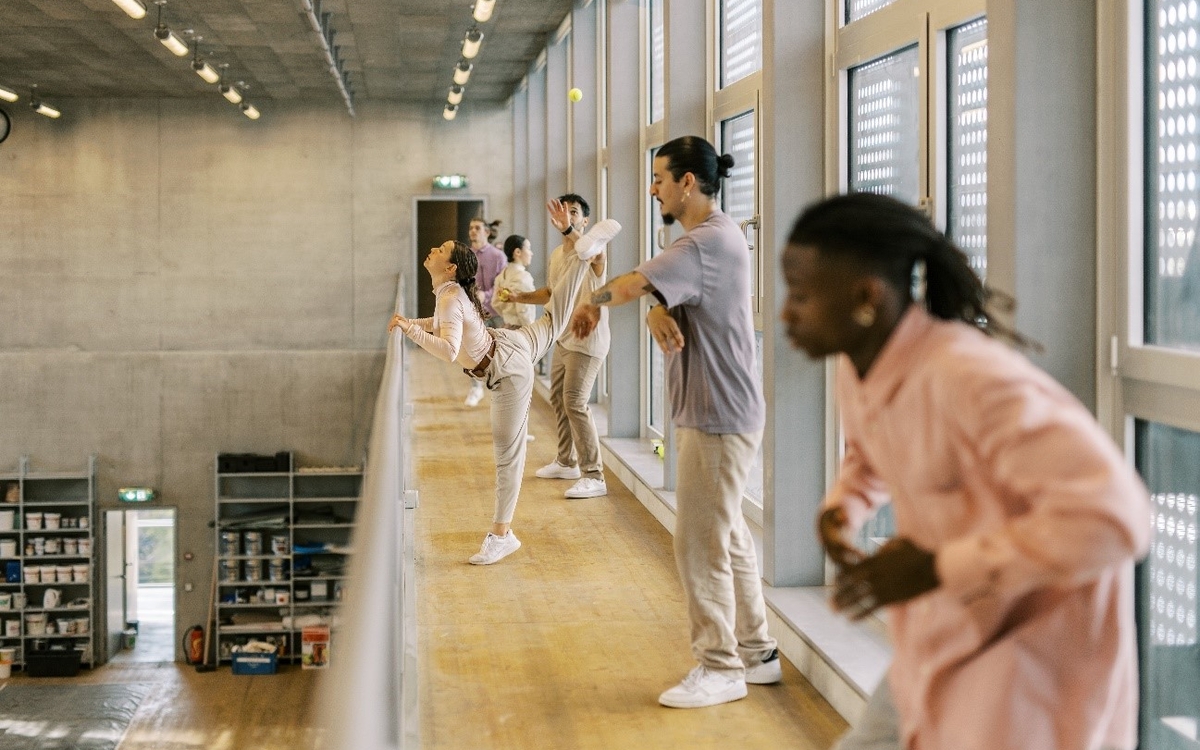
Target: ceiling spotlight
231	93
456	94
37	105
132	8
203	69
250	111
471	43
169	38
483	10
450	112
462	72
8	95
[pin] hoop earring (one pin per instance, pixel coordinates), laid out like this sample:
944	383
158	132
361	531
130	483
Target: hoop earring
864	315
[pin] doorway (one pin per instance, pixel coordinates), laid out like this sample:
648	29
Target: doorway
140	590
438	220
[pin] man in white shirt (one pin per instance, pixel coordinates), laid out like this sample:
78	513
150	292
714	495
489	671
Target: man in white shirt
576	364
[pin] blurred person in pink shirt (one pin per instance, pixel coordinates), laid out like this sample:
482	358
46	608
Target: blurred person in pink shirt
1009	583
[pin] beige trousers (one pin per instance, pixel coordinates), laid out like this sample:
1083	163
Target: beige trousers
572	376
510	377
715	552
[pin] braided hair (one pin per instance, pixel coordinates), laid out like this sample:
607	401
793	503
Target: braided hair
466	266
891	238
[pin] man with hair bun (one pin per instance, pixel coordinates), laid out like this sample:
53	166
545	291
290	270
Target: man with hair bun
705	327
491	261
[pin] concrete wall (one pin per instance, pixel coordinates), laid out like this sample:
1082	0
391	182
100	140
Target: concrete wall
176	280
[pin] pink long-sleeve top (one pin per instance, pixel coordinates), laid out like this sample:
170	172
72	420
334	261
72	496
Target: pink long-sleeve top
455	333
1035	518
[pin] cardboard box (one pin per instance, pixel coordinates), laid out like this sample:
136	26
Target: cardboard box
249	663
314	647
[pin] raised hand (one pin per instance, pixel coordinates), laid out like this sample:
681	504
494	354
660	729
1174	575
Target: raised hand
559	216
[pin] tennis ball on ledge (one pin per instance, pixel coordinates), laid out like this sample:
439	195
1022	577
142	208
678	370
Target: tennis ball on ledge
575	95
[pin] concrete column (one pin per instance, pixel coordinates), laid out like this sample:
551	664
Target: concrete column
1042	178
793	134
582	114
625	203
535	197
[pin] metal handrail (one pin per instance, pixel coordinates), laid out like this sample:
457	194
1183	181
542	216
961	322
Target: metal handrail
362	699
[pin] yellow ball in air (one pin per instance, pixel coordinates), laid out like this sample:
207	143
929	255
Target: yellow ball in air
574	95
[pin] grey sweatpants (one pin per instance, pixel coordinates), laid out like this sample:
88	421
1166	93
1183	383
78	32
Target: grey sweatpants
510	377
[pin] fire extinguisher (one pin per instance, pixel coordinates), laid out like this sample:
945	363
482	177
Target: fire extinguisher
193	644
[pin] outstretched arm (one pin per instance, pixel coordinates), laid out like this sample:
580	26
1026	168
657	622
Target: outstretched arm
625	288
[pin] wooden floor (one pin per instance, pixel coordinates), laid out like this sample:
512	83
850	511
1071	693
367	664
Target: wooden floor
568	642
565	644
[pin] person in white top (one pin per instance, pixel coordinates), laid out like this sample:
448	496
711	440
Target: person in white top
514	279
577	362
502	358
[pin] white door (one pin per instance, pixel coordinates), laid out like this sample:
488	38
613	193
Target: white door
115	578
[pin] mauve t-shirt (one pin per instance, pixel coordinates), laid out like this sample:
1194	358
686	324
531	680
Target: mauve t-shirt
704	276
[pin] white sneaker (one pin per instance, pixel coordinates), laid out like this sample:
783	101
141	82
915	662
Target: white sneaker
587	487
704	687
496	548
555	470
475	395
766	672
592	243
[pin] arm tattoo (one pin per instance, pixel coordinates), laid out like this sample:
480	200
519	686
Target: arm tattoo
601	296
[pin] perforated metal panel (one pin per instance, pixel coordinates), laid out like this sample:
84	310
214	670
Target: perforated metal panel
967	88
856	9
657	43
741	39
1172	561
884	148
1172	278
737	192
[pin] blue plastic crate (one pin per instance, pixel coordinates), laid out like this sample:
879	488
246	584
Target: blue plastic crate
254	663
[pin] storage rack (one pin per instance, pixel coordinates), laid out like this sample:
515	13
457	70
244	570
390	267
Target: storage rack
72	495
301	506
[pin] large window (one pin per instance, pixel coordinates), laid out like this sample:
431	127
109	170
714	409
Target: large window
966	158
856	9
656	45
1172	280
884	126
1166	456
741	39
657	376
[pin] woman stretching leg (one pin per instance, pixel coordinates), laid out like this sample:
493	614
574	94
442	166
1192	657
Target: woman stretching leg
503	359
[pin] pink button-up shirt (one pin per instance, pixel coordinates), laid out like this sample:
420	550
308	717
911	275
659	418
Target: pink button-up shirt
1035	518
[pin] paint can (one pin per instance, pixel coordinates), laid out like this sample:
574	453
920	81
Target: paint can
277	571
254	570
228	570
252	543
229	543
280	545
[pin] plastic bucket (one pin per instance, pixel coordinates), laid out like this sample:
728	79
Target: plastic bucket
7	518
53	520
8	548
79	572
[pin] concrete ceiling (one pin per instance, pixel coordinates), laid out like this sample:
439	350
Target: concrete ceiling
391	49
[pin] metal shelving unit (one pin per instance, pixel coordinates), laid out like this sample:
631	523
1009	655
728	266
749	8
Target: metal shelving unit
27	575
285	509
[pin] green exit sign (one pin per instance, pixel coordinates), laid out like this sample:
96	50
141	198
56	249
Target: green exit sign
450	182
136	494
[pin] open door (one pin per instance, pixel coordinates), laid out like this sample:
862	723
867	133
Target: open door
115	578
438	220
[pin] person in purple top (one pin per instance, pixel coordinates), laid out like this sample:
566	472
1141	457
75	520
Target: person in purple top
491	262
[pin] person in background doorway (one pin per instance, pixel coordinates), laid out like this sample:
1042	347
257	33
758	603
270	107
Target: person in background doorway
504	359
490	260
515	279
705	327
1009	583
577	362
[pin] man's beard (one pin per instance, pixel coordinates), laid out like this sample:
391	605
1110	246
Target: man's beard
668	219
